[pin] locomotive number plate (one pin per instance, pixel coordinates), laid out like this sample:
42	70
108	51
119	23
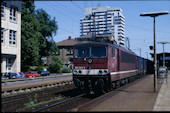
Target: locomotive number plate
79	67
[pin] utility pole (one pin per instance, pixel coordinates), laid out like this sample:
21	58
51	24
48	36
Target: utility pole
155	57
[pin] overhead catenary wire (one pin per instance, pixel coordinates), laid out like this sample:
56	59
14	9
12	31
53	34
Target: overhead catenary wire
67	31
68	9
135	47
51	6
64	15
146	28
79	7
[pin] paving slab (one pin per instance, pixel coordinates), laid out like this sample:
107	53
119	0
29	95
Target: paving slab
136	96
163	100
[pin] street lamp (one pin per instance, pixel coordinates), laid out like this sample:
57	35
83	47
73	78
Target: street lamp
163	52
154	14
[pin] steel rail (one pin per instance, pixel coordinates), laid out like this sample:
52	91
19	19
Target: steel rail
30	93
6	102
31	88
59	103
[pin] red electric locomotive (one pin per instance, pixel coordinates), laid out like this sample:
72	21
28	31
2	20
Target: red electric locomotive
100	67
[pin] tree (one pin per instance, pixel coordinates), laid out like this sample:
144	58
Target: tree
31	37
48	29
55	66
37	30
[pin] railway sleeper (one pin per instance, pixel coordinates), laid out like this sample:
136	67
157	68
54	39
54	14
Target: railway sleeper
30	89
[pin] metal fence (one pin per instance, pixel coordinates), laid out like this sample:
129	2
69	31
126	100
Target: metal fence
6	81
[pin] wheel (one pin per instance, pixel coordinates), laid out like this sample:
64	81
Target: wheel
118	84
113	85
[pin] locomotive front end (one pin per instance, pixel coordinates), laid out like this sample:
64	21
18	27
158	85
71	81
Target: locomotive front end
90	70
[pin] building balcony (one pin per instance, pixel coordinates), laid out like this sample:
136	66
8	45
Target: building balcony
100	19
121	38
102	22
121	43
98	14
102	26
100	29
87	21
120	32
121	35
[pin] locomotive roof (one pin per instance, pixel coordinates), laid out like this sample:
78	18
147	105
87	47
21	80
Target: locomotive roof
103	44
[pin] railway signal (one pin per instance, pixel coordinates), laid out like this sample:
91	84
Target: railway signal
151	47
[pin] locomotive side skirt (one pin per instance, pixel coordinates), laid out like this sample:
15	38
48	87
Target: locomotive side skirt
122	74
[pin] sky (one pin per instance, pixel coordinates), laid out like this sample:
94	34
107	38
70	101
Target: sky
138	29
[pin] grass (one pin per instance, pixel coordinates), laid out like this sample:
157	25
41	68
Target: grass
33	103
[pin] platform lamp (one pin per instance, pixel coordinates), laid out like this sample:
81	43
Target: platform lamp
154	14
163	51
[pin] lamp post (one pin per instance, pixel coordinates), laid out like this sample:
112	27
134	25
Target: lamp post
154	14
163	52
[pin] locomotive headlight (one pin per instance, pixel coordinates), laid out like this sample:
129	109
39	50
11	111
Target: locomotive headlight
80	71
105	72
75	72
100	72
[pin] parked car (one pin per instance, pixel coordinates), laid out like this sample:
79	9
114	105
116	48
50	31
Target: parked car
4	76
20	75
12	75
44	73
31	74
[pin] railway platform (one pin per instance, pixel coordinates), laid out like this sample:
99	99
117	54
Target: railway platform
136	96
163	99
12	89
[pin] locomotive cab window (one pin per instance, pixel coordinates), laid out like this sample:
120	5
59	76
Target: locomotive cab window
82	52
92	52
98	52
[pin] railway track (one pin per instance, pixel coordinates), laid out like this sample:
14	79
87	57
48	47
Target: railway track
30	88
28	101
58	103
43	92
63	100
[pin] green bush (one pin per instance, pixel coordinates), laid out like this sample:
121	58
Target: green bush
37	68
55	67
66	70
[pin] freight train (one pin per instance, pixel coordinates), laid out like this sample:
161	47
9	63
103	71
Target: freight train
100	67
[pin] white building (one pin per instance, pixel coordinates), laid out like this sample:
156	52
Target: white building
107	21
11	36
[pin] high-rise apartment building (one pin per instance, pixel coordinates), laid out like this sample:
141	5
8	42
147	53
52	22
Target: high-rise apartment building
11	36
104	21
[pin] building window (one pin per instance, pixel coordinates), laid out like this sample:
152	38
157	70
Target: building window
69	51
13	11
9	63
2	35
12	37
2	9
